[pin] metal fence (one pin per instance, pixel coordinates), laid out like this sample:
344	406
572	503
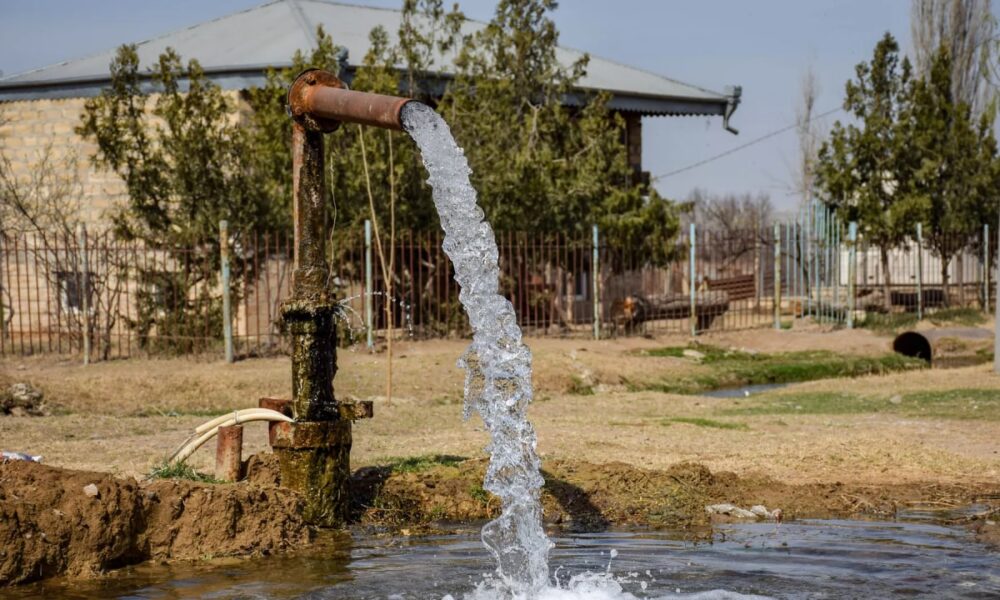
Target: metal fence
134	300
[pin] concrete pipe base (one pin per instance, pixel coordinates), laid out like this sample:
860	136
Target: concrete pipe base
315	460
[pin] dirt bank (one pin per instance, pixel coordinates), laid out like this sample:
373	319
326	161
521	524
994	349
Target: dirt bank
53	522
56	521
584	496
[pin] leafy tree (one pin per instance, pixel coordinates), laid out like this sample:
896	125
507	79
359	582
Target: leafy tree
186	165
183	157
956	174
537	165
866	169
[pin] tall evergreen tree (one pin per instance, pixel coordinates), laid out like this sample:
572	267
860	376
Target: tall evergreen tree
866	168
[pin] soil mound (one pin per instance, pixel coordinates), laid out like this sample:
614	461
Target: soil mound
55	521
579	495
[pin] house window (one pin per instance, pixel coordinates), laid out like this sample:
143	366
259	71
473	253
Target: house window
70	284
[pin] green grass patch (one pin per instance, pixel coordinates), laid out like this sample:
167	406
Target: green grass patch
579	387
179	470
943	404
479	494
415	464
888	324
957	316
709	423
181	412
734	368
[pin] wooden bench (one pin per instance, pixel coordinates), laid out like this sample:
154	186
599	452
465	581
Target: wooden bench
629	312
739	287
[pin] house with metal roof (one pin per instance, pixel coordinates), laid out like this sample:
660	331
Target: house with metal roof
237	50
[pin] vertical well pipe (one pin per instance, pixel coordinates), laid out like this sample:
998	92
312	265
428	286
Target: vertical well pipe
81	240
920	271
597	282
369	299
852	271
692	283
227	314
777	276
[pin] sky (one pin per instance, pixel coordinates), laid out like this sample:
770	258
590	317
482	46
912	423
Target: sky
765	46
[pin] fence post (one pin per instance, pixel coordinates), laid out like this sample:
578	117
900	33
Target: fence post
986	267
920	271
836	268
758	267
777	276
81	241
996	317
596	282
852	271
227	305
692	283
368	285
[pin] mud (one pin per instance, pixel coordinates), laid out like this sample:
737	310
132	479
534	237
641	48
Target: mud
51	525
585	496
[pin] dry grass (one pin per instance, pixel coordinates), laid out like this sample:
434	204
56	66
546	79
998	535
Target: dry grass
125	416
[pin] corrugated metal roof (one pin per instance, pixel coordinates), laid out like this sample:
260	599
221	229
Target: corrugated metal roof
236	49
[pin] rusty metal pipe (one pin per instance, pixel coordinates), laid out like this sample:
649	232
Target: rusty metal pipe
320	101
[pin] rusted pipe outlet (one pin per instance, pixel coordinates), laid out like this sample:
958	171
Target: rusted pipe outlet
319	101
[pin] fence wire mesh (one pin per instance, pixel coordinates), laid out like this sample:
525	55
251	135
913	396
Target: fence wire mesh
136	300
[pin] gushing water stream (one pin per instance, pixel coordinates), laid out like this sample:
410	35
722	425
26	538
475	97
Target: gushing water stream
497	363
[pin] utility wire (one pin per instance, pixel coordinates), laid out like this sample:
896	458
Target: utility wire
743	146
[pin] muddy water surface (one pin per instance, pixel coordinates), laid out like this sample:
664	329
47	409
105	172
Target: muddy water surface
912	557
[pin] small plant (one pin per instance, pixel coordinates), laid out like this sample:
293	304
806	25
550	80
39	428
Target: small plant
179	470
415	464
479	494
579	387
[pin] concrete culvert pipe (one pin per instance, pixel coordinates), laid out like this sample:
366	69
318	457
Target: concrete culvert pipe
952	345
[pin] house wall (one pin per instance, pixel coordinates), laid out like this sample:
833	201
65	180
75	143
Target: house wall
31	129
633	139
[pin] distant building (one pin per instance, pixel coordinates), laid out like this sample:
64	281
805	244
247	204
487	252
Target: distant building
43	106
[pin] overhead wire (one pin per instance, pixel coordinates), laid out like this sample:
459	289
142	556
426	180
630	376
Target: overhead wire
743	146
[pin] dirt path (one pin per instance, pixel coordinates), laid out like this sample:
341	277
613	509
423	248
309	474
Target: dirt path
124	416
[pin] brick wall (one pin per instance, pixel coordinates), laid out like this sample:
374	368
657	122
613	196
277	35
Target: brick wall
33	127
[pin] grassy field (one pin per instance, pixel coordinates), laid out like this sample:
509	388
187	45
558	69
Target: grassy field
874	418
728	368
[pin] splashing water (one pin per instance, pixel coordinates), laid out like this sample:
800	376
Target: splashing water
497	363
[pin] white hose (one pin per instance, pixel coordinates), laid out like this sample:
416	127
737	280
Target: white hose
208	430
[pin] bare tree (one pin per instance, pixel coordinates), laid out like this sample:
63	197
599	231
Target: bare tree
967	29
730	213
40	205
809	136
